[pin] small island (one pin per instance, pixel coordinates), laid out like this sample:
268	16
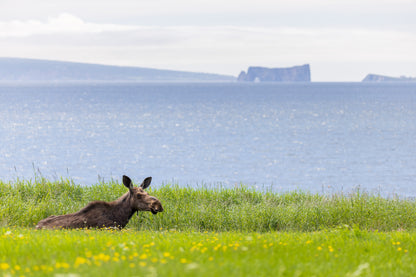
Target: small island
381	78
300	73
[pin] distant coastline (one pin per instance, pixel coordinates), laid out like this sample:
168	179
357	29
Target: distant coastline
22	70
33	70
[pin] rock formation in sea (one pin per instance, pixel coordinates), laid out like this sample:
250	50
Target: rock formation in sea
300	73
381	78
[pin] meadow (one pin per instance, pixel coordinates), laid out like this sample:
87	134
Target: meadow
209	232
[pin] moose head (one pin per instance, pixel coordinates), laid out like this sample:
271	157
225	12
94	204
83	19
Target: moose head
139	200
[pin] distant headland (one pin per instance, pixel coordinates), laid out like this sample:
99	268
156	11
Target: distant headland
300	73
28	70
381	78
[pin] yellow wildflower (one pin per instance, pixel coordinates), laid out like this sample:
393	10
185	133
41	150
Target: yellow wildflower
65	265
183	261
79	261
102	257
61	265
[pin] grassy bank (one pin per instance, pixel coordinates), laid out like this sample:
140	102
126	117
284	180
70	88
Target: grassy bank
24	203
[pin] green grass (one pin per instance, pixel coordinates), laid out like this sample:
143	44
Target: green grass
209	232
337	252
24	203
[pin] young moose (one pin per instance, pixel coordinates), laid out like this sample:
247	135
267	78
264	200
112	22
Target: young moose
100	214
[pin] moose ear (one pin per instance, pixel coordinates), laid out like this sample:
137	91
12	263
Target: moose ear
146	183
127	182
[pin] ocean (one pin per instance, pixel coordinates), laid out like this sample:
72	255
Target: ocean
317	137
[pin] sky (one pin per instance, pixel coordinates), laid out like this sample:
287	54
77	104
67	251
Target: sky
342	40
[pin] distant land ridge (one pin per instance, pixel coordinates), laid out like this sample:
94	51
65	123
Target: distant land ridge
381	78
300	73
19	69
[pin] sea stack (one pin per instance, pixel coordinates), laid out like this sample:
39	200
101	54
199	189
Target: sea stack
300	73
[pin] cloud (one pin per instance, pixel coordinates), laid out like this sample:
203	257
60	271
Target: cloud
64	23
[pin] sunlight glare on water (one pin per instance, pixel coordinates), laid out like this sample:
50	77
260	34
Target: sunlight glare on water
316	137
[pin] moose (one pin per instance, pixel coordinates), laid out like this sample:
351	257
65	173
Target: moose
101	214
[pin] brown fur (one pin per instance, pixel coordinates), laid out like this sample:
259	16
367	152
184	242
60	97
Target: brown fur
115	214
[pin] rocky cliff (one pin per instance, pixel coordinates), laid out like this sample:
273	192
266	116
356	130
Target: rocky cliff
381	78
300	73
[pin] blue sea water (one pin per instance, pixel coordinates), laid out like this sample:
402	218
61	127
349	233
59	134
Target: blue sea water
319	137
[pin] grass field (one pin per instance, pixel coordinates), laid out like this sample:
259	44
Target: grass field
338	252
209	232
